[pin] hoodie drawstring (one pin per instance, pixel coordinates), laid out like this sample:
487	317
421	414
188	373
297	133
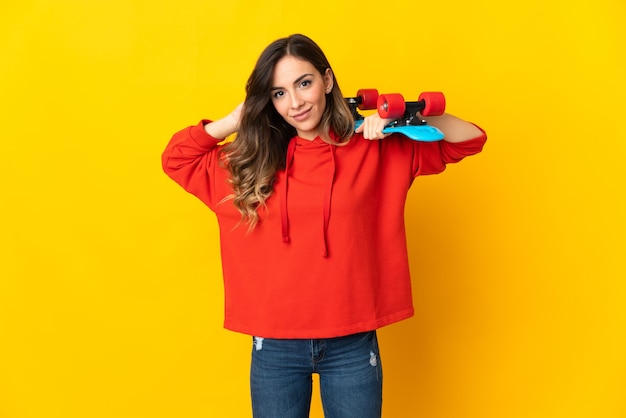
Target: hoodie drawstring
327	199
284	217
291	149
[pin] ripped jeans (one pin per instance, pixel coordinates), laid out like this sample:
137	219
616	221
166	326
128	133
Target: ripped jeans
350	375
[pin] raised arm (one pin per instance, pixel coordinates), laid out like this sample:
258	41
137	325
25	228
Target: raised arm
191	156
226	126
455	129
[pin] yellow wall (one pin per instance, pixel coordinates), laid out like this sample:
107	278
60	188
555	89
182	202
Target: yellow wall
110	289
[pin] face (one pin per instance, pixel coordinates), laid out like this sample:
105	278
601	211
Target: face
299	94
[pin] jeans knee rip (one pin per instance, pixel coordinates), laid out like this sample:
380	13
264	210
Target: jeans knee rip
373	359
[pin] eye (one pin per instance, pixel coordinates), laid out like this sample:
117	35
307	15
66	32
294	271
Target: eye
278	94
305	83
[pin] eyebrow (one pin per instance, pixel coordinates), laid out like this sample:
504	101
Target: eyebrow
299	79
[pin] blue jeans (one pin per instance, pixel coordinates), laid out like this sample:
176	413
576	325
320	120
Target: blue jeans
349	369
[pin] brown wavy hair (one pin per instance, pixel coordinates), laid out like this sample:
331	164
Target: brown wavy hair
260	146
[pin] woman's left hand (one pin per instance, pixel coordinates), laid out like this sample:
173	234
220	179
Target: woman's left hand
372	127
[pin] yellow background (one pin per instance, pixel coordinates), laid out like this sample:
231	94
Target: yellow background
110	289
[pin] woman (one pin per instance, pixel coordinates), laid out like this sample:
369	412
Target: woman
311	217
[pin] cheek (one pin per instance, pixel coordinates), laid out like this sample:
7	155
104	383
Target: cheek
280	107
321	96
322	102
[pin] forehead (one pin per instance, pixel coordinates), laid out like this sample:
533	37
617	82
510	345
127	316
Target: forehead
289	69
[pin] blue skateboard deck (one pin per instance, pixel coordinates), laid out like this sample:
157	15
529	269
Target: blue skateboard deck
423	133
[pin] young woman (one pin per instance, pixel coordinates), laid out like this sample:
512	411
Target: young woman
311	217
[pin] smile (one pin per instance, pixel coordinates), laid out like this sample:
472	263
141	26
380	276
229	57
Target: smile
302	116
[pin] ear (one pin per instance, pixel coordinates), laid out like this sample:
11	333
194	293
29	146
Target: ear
328	80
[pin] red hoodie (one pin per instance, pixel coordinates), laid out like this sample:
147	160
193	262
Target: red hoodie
328	257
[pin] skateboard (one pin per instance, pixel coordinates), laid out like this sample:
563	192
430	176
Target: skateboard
393	106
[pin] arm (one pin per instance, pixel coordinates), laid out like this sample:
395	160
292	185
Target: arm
191	156
455	129
462	139
226	126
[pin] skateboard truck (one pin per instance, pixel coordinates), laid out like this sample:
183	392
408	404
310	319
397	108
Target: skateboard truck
393	106
410	117
366	99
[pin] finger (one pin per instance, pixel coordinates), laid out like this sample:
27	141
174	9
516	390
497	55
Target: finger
367	132
374	133
371	132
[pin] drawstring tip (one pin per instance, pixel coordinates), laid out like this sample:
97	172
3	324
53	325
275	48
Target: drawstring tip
286	239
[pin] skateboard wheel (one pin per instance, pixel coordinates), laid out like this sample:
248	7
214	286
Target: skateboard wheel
434	103
369	99
391	106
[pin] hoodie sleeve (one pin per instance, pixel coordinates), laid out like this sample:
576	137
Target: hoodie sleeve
432	157
191	160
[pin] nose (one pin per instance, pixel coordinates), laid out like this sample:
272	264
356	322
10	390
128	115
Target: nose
296	100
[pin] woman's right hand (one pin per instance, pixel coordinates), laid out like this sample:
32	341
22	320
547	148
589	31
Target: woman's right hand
235	116
226	126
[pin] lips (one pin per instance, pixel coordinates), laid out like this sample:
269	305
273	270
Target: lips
301	116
